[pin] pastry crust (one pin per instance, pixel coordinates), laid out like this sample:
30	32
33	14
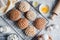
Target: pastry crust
30	31
40	23
31	15
24	6
23	23
15	15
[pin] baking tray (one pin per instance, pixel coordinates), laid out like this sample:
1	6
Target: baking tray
10	30
16	28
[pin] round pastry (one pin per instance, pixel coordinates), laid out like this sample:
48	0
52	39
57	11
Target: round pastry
15	15
30	31
44	37
24	6
12	37
23	23
31	15
40	23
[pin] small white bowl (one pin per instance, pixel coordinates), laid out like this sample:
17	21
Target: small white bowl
42	6
34	3
12	37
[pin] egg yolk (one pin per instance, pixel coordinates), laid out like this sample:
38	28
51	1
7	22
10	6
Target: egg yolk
45	9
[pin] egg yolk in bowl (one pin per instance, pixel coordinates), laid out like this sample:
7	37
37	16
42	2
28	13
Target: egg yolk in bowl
44	9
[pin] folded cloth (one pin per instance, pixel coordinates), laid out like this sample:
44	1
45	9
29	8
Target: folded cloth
6	5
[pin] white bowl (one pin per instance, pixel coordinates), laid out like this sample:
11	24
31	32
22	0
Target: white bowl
41	7
12	37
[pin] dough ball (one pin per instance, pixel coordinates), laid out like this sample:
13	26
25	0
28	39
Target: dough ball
31	15
23	23
30	31
40	23
24	6
15	15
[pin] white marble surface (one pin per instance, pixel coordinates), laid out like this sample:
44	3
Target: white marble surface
56	33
